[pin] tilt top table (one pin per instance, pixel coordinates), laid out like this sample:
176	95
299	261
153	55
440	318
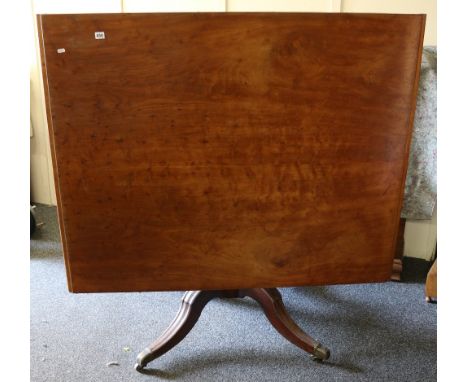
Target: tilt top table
229	154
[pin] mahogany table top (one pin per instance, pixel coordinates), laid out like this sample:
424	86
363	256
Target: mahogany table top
229	150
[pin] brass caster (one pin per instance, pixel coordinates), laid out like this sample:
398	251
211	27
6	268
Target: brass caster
142	360
320	353
138	367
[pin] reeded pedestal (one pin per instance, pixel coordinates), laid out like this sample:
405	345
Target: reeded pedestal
193	303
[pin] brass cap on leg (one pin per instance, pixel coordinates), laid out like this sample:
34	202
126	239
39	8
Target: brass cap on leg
320	353
142	360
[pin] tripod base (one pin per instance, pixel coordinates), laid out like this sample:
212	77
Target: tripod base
193	303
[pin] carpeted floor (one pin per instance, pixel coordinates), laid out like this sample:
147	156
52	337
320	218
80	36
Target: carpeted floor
376	332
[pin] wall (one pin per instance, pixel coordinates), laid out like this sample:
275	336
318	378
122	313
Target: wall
42	182
420	236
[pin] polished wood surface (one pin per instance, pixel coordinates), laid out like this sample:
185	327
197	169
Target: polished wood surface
227	151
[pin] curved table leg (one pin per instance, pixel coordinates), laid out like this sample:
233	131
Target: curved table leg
193	303
272	304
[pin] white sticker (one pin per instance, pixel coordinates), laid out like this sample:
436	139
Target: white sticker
99	35
61	50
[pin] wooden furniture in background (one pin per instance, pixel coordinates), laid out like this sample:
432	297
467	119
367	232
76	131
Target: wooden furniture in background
229	151
431	284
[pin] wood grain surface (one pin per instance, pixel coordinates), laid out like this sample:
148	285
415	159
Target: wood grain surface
225	151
